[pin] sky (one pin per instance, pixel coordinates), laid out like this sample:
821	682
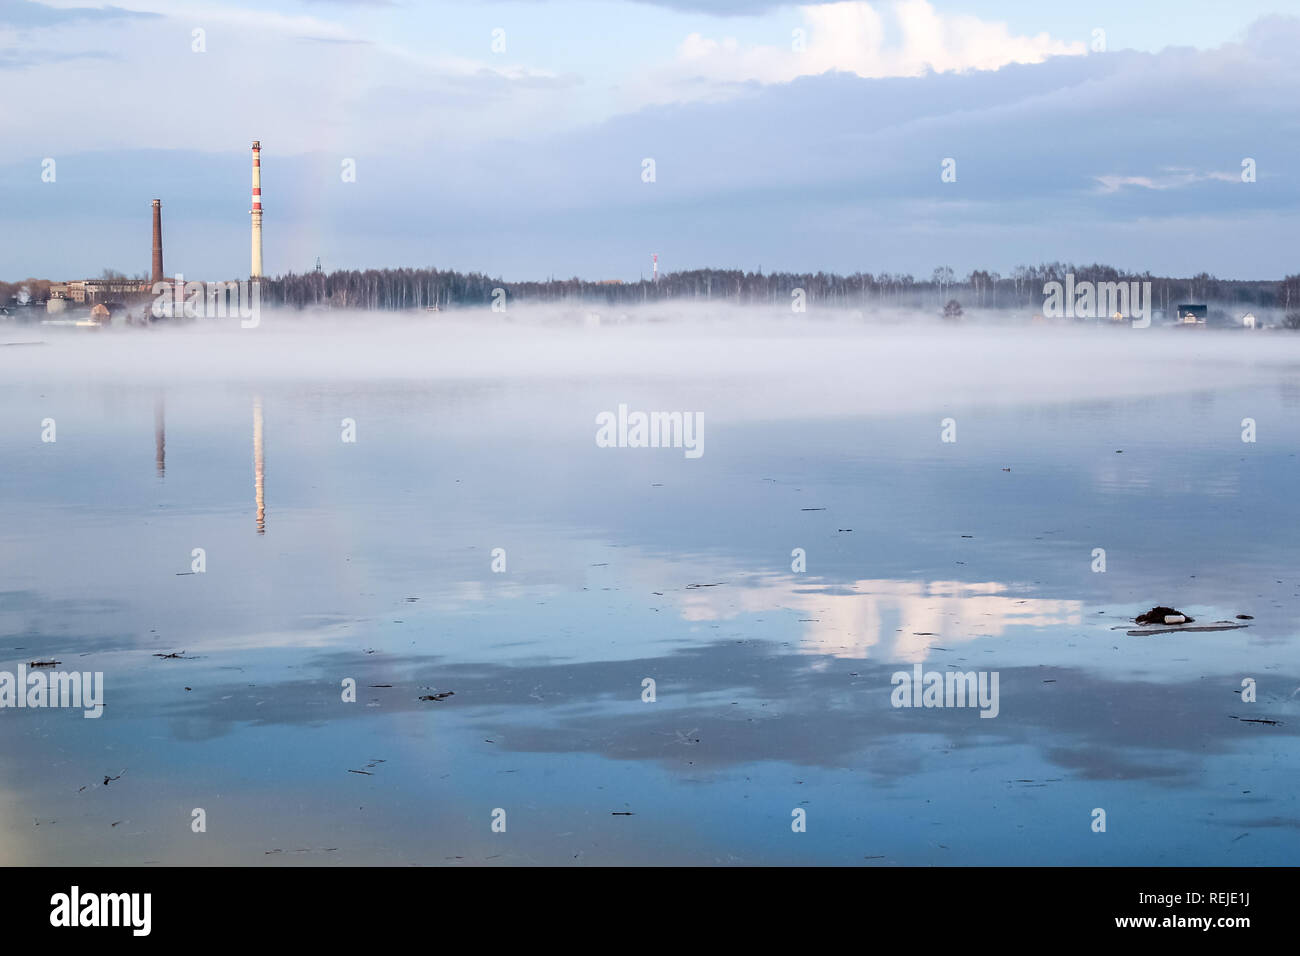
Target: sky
518	138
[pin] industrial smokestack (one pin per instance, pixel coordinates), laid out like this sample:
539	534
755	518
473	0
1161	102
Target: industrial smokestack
157	275
257	210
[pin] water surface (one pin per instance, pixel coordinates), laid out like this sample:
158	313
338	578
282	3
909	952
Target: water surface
328	560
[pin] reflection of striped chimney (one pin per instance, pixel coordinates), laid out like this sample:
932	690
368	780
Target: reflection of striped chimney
157	275
256	272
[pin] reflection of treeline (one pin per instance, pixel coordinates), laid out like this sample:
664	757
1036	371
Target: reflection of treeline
1023	288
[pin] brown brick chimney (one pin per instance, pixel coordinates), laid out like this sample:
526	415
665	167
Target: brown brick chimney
157	275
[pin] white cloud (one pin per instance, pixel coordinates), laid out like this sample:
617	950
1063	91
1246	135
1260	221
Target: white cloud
299	82
855	37
1169	178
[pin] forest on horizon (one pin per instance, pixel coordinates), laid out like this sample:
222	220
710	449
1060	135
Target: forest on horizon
408	288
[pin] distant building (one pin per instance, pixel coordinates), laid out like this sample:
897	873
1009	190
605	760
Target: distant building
102	290
1192	314
82	291
1248	321
110	313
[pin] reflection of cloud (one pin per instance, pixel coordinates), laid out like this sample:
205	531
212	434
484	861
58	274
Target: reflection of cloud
895	620
820	715
732	705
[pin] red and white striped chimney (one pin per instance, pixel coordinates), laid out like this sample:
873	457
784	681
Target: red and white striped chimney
256	211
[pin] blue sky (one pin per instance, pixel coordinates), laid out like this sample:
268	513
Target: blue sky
821	149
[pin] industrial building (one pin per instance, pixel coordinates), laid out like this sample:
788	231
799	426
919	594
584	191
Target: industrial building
93	291
110	291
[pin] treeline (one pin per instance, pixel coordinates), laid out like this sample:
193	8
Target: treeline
389	289
35	290
395	289
31	289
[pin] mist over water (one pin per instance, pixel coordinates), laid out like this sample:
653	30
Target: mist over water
373	560
891	359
